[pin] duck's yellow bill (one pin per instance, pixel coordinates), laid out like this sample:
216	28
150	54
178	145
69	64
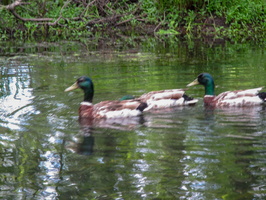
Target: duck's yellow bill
195	82
72	87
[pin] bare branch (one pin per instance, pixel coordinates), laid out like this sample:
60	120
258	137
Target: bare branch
104	20
159	23
15	4
88	5
48	21
139	18
128	20
125	21
30	19
11	8
60	15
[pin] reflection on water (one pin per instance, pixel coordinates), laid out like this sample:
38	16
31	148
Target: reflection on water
223	153
16	100
83	144
178	153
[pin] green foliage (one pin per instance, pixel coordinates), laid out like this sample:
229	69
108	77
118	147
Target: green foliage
242	15
181	5
244	18
76	19
242	11
168	32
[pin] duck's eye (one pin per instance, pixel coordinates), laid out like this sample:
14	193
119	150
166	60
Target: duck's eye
200	76
81	80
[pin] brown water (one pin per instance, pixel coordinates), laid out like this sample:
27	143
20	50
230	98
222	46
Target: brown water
181	153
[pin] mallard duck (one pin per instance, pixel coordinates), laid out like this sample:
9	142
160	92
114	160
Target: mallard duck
104	109
249	97
166	99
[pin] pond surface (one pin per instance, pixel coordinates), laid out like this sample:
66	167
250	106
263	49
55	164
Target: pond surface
181	153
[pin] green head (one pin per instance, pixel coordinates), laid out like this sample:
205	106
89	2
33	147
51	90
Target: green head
86	84
206	80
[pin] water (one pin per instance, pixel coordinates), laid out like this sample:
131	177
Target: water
181	153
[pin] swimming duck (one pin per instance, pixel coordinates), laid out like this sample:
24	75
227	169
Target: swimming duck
104	109
239	98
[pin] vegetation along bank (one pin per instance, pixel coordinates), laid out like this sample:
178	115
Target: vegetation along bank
75	19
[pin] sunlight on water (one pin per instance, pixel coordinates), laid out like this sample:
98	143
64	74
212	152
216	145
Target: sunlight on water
52	167
16	101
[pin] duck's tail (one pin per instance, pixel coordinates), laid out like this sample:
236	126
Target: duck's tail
189	100
262	95
142	106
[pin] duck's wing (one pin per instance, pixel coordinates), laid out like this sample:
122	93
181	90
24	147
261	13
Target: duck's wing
118	109
247	97
166	99
163	94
